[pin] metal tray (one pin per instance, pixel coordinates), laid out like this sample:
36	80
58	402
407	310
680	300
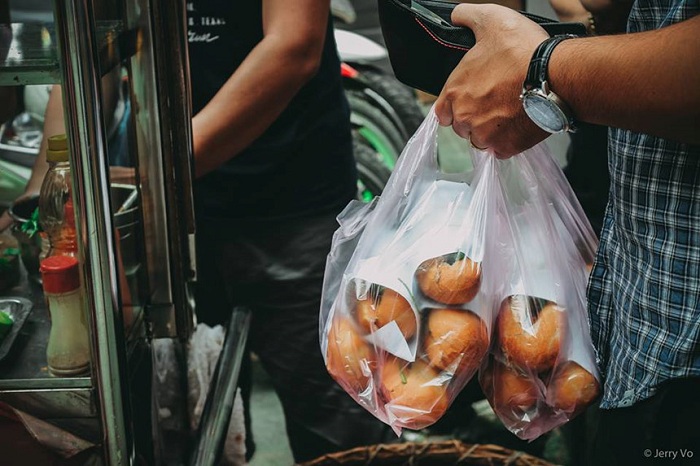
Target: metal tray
18	309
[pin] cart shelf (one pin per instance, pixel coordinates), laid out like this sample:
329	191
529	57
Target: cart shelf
24	368
32	55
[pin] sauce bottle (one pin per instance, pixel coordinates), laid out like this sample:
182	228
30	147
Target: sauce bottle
68	349
56	215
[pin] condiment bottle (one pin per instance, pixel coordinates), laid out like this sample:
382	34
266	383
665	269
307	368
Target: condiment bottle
56	215
68	349
65	242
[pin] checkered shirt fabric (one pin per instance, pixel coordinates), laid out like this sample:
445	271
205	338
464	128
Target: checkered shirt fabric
644	291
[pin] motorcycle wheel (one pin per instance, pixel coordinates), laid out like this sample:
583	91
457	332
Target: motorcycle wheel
375	128
372	174
401	98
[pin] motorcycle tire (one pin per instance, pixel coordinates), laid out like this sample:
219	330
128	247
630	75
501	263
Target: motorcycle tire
375	128
372	173
401	98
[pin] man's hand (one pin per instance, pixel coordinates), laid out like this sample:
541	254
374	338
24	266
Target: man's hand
481	99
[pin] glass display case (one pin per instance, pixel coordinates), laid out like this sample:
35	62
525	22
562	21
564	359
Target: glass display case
118	69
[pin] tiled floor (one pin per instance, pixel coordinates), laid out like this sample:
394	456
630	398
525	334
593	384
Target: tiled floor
272	447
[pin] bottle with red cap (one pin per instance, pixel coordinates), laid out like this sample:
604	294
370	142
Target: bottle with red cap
56	215
68	349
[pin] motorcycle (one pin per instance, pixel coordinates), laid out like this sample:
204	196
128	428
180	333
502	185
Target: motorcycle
384	111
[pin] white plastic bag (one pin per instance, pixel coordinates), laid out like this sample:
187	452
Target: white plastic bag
445	275
541	369
203	353
404	321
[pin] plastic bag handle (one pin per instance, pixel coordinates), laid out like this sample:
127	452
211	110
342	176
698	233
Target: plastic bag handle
418	159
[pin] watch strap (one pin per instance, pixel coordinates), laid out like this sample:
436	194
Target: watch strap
539	64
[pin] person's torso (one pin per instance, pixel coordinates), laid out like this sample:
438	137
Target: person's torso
303	162
644	293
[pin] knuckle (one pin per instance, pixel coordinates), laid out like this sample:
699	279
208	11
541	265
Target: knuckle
461	128
449	93
443	113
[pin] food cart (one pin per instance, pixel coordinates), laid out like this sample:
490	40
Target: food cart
136	238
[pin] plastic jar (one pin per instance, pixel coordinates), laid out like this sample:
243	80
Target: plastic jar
68	349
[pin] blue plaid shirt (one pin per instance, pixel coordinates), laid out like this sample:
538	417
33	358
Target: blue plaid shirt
644	291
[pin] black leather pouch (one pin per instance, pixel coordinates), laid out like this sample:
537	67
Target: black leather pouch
424	47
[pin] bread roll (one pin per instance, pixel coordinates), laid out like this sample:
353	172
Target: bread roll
529	332
418	398
455	336
572	388
449	279
383	305
350	359
512	394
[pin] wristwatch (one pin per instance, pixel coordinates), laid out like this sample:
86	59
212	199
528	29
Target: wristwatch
546	109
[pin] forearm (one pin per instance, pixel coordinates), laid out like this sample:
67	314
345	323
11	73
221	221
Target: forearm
612	81
53	124
249	102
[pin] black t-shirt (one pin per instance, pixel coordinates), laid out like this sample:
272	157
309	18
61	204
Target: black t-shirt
303	163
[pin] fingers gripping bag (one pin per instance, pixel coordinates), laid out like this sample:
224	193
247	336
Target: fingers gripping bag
540	371
405	322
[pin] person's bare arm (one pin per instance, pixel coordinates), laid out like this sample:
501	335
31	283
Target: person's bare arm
645	82
53	124
638	81
264	84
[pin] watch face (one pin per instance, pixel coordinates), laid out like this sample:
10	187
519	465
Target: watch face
545	113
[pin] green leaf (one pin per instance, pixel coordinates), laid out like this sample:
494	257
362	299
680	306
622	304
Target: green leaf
31	226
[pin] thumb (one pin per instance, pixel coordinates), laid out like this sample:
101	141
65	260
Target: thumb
469	15
481	18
